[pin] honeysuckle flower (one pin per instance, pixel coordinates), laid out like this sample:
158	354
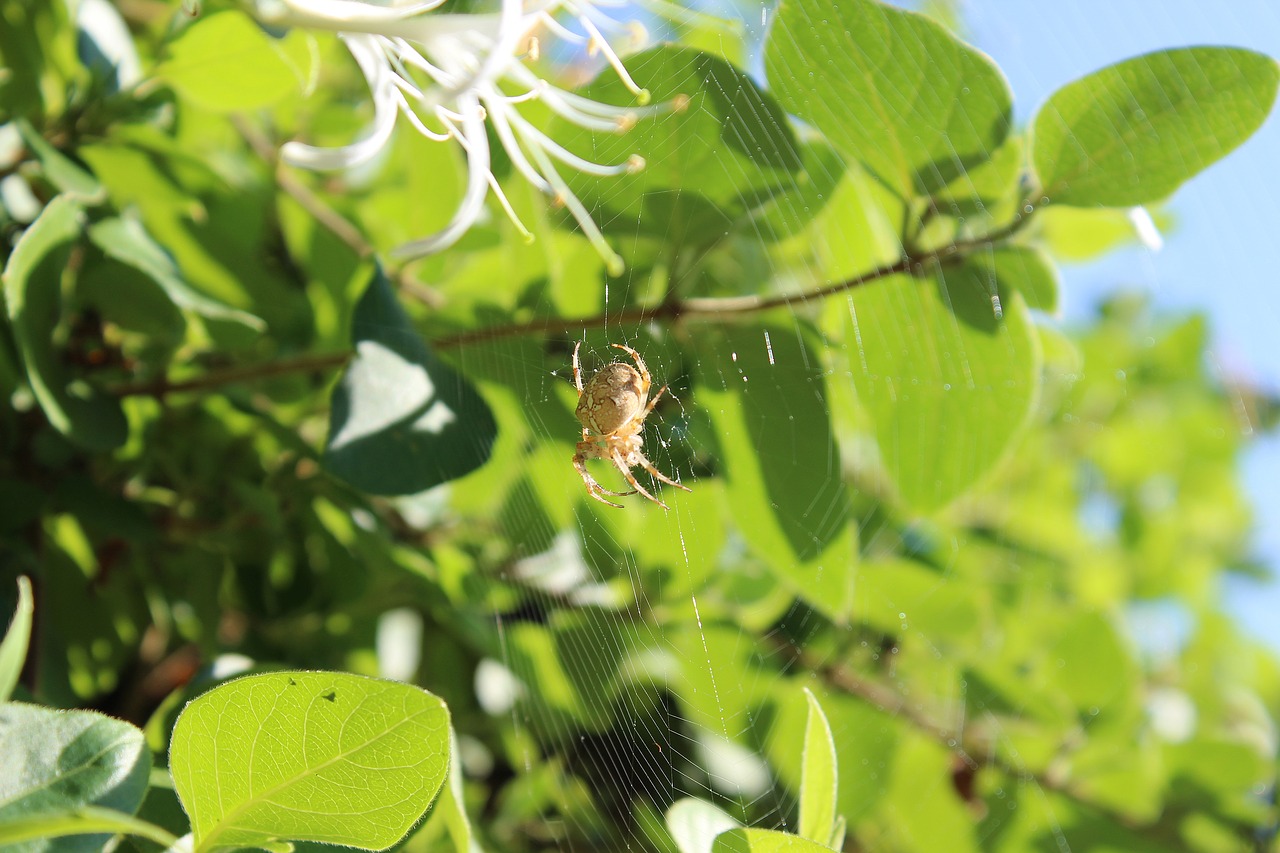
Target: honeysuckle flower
450	76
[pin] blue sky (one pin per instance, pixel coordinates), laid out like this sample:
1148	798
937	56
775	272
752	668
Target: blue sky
1223	258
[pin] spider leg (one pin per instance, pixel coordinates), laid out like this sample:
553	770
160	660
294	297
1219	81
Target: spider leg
593	488
644	371
631	478
653	402
658	475
577	372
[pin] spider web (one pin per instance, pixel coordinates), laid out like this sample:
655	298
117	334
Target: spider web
636	737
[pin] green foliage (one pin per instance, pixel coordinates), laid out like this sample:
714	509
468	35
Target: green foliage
1132	133
818	789
892	89
13	649
402	420
225	62
309	756
947	372
900	607
59	762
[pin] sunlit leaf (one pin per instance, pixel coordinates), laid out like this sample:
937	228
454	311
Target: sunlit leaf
818	790
1026	271
403	420
948	380
1133	132
52	762
33	290
888	87
225	62
762	387
319	756
719	148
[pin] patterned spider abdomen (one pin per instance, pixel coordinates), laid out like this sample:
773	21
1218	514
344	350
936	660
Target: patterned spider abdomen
613	397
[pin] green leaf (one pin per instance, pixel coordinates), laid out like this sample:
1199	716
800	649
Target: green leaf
818	786
947	382
225	62
1025	270
13	649
991	187
787	213
890	88
33	291
65	174
764	841
53	762
722	148
87	820
1133	132
125	239
403	420
694	824
318	756
1093	666
763	389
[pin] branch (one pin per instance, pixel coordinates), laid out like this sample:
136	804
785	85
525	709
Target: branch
709	308
670	310
161	386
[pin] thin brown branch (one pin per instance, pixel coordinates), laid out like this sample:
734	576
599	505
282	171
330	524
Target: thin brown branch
669	311
721	307
162	387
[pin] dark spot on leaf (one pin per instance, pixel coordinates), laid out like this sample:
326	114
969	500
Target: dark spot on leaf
331	695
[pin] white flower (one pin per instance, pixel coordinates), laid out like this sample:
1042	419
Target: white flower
449	74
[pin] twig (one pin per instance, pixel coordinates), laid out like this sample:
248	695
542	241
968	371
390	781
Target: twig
216	378
719	307
670	310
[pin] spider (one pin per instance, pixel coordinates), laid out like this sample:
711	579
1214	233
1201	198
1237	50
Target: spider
612	408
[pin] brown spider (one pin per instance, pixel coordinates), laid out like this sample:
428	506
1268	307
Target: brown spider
612	408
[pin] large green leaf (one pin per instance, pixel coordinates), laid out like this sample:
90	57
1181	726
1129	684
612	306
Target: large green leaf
720	148
403	420
1133	132
225	62
890	88
947	379
319	756
33	291
763	389
54	762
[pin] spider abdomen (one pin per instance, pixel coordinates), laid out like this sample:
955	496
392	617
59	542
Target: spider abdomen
613	397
